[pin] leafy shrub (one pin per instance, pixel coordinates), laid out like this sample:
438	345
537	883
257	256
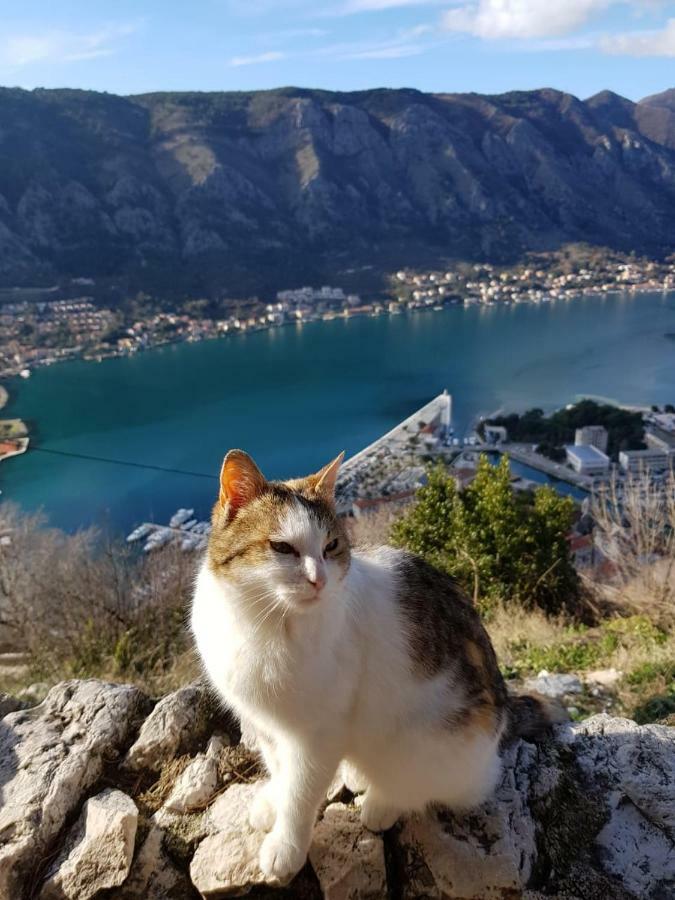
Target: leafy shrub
498	544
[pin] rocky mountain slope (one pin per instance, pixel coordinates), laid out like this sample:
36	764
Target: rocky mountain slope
228	189
106	794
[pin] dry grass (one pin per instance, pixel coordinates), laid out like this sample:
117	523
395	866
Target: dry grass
78	606
635	531
511	626
373	529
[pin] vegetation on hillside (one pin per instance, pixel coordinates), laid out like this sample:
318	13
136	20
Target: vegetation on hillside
625	428
77	606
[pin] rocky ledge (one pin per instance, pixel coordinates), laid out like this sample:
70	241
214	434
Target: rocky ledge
107	794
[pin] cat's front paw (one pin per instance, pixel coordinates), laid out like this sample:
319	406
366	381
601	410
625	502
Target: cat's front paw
262	814
377	816
279	858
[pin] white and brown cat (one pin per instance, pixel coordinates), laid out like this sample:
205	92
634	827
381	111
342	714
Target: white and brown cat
330	654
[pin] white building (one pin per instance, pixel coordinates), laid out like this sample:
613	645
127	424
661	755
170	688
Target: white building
658	439
446	413
587	460
592	436
636	461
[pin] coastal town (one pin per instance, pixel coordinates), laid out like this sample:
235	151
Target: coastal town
40	327
385	476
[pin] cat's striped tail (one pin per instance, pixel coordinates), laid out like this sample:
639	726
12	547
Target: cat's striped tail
531	716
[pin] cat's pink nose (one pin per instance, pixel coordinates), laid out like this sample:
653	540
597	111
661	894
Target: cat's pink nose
314	572
317	581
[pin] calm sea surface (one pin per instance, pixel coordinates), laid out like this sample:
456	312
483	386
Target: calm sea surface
295	396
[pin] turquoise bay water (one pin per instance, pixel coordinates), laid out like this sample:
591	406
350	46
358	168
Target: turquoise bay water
295	396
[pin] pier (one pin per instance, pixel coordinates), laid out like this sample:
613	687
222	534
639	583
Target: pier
389	470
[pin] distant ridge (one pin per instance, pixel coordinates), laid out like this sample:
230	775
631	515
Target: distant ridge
666	99
242	190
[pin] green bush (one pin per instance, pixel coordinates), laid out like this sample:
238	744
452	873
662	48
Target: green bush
498	544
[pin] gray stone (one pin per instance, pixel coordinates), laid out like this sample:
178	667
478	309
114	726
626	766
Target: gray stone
633	767
603	678
153	875
348	859
226	861
196	785
217	743
49	757
636	851
173	725
555	685
98	851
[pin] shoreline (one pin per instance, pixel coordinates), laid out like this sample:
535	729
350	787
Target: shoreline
375	312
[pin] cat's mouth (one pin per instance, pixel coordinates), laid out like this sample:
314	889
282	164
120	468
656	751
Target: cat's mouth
306	601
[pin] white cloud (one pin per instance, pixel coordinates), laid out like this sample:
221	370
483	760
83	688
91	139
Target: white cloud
57	46
642	43
495	19
272	56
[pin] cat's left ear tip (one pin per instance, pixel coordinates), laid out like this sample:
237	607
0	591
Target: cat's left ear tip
235	453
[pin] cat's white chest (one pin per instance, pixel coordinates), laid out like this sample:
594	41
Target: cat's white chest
223	652
289	679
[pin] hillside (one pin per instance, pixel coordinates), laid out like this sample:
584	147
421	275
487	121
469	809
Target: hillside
231	190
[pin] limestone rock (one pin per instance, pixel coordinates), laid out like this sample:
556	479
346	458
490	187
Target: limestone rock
98	851
347	859
49	756
153	874
485	854
176	722
226	861
634	767
196	785
586	815
604	678
217	743
553	685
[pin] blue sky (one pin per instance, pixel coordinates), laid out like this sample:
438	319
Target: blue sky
581	46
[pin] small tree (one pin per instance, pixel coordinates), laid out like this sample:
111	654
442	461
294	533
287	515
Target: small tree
498	544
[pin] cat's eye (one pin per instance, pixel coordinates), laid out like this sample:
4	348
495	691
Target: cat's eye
330	546
282	547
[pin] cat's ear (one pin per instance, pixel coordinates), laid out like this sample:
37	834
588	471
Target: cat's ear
241	481
323	483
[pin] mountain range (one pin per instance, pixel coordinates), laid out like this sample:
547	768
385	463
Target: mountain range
211	191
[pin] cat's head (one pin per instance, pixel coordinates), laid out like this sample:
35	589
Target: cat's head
280	542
